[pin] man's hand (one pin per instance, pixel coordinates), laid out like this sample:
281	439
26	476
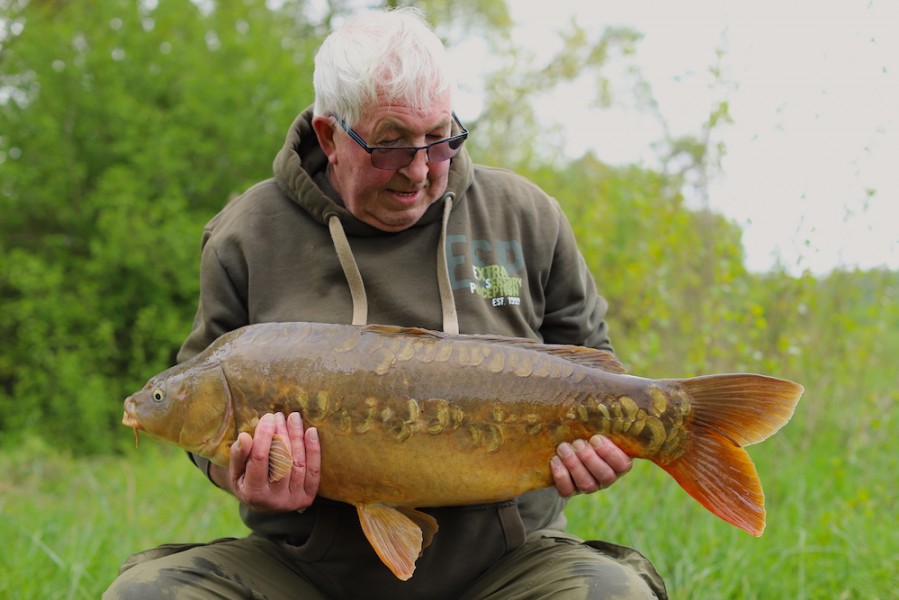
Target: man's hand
247	476
588	467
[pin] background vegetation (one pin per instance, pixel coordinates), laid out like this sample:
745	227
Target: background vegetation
125	125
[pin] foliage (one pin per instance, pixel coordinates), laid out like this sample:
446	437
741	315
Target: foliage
672	275
509	132
126	124
454	17
124	129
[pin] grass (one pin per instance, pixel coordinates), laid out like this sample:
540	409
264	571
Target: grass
68	523
830	479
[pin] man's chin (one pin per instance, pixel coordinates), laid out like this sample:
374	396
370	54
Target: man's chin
396	220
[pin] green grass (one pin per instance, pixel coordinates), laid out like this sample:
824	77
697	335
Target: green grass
67	524
830	479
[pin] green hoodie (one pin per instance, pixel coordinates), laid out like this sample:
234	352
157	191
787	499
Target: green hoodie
494	255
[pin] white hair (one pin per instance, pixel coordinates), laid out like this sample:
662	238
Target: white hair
388	56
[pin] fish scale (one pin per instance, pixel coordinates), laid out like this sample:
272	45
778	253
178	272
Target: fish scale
411	418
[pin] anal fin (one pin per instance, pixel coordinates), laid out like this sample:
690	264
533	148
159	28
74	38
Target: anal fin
425	522
397	535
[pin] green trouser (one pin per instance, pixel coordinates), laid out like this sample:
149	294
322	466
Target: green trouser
551	564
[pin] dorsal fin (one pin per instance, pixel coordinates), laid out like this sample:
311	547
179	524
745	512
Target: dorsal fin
405	331
589	357
582	355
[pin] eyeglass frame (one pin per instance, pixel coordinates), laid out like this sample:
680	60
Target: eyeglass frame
413	150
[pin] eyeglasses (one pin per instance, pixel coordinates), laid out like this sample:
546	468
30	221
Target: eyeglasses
396	157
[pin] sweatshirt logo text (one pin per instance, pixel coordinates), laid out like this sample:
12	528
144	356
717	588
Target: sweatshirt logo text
492	268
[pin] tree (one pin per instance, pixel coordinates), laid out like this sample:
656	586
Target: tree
126	125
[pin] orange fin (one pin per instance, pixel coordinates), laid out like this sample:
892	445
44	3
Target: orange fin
589	357
729	412
396	537
746	408
721	476
425	522
279	459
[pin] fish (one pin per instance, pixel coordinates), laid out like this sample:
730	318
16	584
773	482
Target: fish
411	418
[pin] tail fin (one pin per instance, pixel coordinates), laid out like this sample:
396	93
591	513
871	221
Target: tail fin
729	412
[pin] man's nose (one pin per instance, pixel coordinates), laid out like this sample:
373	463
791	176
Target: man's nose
417	170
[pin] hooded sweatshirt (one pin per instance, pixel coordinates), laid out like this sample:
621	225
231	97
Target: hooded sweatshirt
493	255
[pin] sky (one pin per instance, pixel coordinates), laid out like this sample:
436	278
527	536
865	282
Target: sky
813	91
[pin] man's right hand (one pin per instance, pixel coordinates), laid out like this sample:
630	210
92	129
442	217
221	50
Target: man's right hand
247	473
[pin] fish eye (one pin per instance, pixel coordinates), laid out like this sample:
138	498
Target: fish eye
158	395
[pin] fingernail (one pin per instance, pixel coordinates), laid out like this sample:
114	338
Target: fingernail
294	419
565	449
578	445
555	463
312	432
597	440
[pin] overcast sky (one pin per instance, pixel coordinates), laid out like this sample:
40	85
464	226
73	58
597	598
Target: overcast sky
813	88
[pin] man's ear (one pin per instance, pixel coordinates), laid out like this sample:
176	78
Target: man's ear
325	128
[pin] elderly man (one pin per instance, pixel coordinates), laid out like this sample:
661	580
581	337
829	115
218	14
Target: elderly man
376	214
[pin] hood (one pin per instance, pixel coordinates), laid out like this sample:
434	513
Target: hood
300	170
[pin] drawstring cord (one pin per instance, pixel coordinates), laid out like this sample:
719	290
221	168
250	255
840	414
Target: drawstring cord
357	286
350	270
447	302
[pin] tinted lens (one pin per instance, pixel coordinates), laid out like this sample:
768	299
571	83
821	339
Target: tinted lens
391	158
444	150
397	158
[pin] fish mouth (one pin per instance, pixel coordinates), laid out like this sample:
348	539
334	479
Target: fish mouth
130	420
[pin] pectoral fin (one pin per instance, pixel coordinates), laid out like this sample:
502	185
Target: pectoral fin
279	459
397	535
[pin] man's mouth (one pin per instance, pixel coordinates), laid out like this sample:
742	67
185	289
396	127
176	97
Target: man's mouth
406	196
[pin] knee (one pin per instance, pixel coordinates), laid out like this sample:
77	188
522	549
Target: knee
612	580
138	583
153	580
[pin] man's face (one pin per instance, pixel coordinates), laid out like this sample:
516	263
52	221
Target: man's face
390	200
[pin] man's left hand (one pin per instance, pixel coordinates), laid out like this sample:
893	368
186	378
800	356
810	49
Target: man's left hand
588	466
